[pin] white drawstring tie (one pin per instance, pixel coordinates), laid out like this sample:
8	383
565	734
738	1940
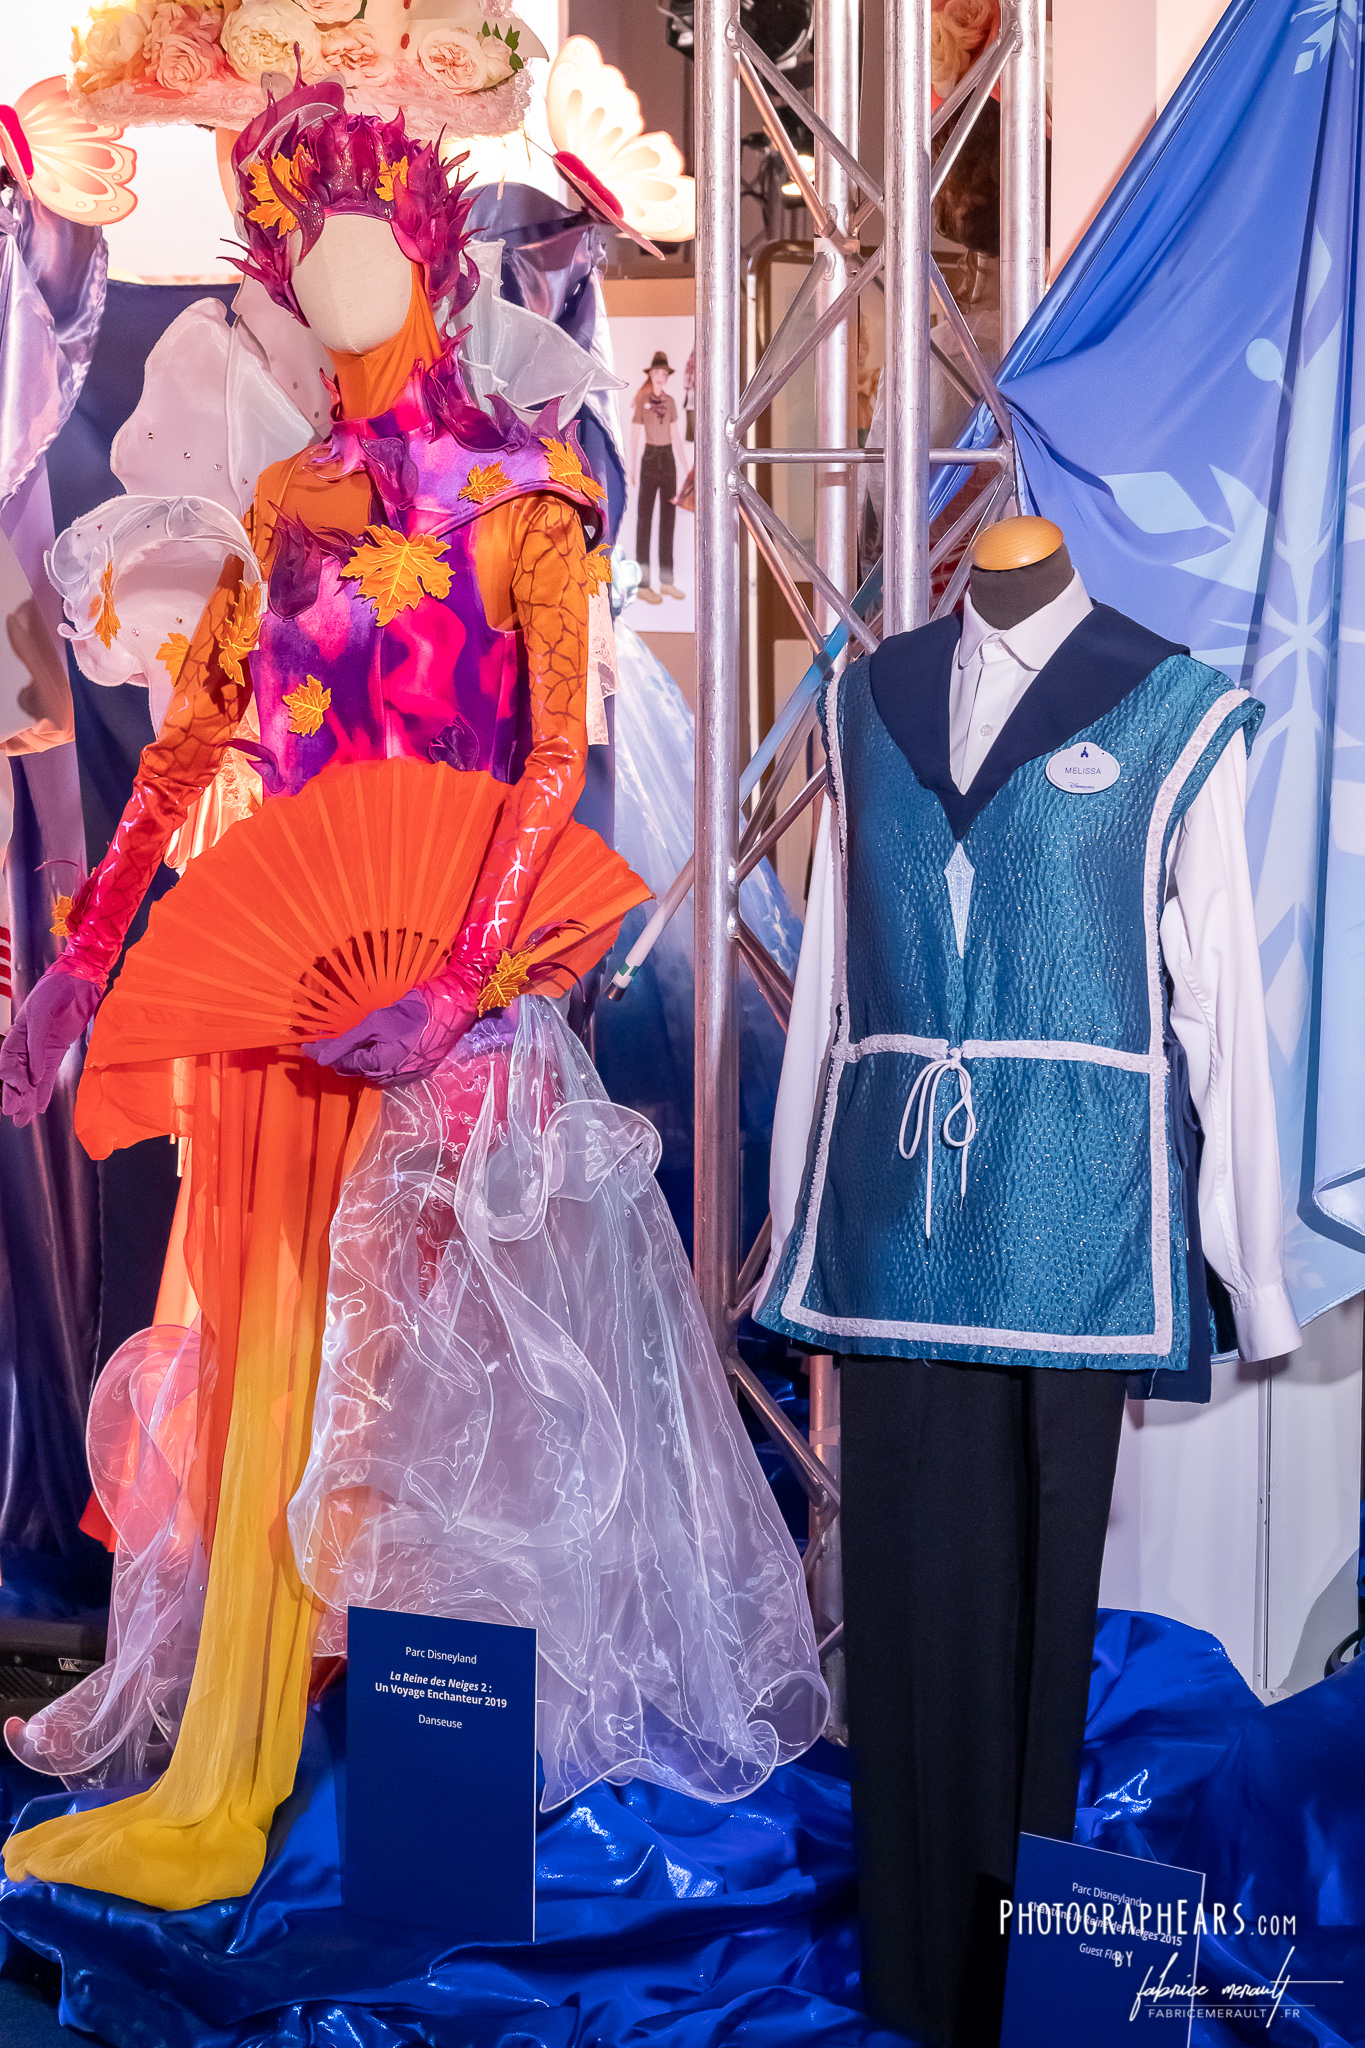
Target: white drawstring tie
921	1099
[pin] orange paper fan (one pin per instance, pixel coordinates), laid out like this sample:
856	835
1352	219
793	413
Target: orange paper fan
327	905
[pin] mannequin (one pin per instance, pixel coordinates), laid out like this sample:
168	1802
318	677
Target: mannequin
354	285
1018	567
1038	818
415	610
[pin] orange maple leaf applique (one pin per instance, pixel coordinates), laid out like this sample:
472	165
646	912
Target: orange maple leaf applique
240	630
172	652
383	184
485	482
565	468
308	706
507	981
60	927
270	211
396	570
597	568
105	623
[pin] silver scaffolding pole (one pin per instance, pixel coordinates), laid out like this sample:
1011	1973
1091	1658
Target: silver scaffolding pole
818	327
715	892
905	513
836	24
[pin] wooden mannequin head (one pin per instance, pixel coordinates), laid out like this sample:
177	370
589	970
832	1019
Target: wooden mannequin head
1018	566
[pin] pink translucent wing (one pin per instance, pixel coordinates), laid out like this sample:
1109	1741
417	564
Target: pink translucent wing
593	113
81	169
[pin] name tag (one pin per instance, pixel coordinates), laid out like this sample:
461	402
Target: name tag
1082	769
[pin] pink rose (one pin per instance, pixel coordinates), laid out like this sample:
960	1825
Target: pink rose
353	53
333	13
975	22
181	51
948	57
453	57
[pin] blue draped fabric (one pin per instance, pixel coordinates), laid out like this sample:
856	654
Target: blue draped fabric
1186	407
667	1922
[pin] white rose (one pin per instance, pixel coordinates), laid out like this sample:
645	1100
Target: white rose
112	39
261	36
454	57
497	57
353	52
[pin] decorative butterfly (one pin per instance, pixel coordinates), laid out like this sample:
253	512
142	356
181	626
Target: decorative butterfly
57	154
631	180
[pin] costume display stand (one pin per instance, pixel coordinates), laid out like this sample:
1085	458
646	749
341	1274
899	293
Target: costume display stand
985	1200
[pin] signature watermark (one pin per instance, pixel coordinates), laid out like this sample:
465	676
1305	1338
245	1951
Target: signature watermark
1121	1930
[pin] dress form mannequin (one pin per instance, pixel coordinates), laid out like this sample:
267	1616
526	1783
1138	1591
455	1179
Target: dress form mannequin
421	615
1003	791
355	284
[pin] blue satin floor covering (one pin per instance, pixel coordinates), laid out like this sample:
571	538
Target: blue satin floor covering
666	1923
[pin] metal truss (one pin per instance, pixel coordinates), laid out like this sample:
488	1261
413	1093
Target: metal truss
845	201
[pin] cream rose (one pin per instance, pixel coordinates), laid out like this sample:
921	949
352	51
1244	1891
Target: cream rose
261	34
353	52
453	57
333	13
181	50
947	57
497	57
975	22
111	42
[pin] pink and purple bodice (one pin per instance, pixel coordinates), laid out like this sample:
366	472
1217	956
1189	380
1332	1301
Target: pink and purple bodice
379	645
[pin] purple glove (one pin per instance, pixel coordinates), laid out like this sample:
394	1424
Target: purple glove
57	1011
405	1042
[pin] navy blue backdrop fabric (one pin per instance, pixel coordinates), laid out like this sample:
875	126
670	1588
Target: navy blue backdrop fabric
667	1923
49	1270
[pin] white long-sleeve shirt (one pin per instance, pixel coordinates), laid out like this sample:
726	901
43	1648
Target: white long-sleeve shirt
1208	940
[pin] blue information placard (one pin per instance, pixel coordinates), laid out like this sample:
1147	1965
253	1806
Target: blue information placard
440	1822
1099	1945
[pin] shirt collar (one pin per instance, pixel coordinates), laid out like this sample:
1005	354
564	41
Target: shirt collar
1035	640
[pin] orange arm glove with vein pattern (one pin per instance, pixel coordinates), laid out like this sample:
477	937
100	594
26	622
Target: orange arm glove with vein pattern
549	597
180	762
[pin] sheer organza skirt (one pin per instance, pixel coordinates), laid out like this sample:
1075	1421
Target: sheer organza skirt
520	1417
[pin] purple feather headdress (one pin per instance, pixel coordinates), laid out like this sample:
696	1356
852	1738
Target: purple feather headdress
304	157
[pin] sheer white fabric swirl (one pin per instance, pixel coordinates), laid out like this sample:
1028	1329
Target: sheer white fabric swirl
118	1726
521	1418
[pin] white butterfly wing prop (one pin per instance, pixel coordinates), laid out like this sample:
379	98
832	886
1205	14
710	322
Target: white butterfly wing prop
634	180
77	167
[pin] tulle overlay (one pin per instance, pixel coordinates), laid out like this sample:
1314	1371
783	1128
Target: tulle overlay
119	1725
521	1417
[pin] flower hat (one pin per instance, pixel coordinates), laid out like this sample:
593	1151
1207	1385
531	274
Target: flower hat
452	66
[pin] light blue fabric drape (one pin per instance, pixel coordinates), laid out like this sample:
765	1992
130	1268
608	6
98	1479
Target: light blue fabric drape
1189	410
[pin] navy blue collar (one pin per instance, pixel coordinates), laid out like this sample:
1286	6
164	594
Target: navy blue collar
1095	667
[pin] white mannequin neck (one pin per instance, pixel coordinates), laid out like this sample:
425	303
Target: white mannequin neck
354	286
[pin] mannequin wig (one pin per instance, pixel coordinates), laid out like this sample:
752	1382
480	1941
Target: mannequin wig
304	157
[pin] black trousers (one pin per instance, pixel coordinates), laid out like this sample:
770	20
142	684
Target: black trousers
975	1502
658	479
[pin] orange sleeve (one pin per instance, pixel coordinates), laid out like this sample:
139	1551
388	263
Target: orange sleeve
548	588
206	704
